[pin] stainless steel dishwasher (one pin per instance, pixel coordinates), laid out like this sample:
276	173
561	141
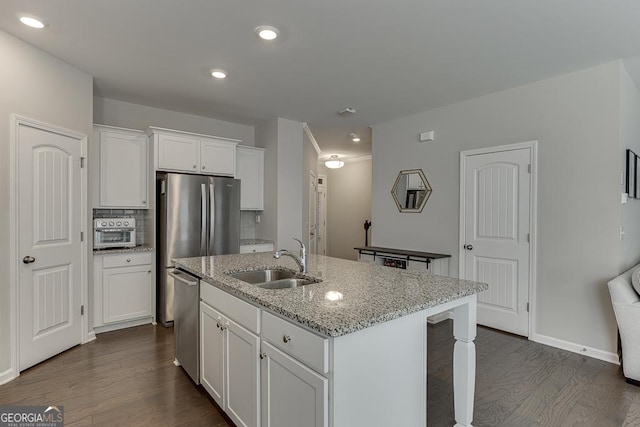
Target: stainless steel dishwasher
186	325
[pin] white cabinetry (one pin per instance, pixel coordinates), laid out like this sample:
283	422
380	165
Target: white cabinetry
250	171
189	152
230	354
122	168
123	290
288	382
292	394
178	153
217	157
249	249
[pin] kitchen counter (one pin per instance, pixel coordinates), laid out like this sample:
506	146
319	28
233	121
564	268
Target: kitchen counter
371	294
123	250
370	346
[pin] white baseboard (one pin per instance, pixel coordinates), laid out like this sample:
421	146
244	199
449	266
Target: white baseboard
437	318
576	348
91	336
121	325
7	376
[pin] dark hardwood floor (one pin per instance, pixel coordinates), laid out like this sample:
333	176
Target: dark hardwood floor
127	377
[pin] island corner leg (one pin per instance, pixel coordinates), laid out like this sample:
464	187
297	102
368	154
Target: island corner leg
464	361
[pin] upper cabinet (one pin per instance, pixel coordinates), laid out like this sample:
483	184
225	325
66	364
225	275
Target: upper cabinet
189	152
122	168
250	171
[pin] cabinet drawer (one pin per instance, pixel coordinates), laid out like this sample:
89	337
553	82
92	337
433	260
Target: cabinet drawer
234	308
305	346
124	260
248	249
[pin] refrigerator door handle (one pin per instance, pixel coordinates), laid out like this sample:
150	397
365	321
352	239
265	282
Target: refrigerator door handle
204	244
212	221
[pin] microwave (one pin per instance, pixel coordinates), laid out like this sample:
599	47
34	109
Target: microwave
114	233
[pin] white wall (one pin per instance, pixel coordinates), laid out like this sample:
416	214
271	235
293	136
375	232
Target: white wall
36	85
267	138
310	163
348	206
134	116
282	218
291	179
575	118
629	138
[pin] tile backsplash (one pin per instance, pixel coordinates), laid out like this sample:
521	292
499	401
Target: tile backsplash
248	224
143	222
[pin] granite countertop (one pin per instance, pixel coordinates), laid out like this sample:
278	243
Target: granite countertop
255	242
371	294
123	250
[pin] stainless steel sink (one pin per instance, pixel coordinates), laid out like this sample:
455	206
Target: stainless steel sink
273	279
262	276
285	283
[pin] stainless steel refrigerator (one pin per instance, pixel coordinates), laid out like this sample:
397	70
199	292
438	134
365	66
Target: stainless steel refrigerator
197	216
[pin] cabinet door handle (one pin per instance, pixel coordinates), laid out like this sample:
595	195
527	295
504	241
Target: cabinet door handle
195	166
144	202
203	168
263	355
128	260
286	338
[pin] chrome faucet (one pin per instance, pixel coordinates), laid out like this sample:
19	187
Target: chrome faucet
301	260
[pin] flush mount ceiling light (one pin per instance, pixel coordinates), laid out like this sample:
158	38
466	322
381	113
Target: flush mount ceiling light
334	162
347	111
31	21
354	137
218	73
266	32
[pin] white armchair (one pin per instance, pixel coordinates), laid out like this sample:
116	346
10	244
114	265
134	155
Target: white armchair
626	305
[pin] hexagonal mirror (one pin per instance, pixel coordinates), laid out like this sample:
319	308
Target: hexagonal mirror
411	190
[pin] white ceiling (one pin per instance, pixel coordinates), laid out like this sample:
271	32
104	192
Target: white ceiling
385	58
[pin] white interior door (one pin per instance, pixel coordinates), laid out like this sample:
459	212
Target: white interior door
313	212
50	260
496	227
322	217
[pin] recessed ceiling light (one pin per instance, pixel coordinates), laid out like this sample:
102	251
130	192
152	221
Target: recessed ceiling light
31	21
218	73
266	32
354	137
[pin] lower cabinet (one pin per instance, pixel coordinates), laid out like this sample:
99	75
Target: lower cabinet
123	290
267	371
126	293
292	394
230	365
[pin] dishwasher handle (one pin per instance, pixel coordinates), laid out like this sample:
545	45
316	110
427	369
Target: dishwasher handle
183	277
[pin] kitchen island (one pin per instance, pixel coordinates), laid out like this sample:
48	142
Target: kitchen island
361	330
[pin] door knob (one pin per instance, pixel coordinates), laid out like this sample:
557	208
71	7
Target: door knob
28	259
468	247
